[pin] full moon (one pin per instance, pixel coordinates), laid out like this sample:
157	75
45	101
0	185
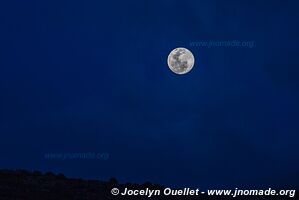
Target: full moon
180	60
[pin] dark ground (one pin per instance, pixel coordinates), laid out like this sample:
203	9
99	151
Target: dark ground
25	185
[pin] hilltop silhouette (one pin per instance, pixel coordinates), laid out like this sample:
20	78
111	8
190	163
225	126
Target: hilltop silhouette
25	185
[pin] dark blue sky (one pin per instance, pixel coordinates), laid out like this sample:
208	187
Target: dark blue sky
91	76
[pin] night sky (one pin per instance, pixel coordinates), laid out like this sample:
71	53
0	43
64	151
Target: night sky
92	76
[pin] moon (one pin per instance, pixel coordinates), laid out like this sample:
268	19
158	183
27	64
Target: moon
180	60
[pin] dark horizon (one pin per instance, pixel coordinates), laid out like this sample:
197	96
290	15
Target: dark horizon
92	77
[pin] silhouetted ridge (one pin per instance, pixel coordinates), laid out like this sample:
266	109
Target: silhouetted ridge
25	185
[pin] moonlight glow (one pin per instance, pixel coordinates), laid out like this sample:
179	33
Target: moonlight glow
180	60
